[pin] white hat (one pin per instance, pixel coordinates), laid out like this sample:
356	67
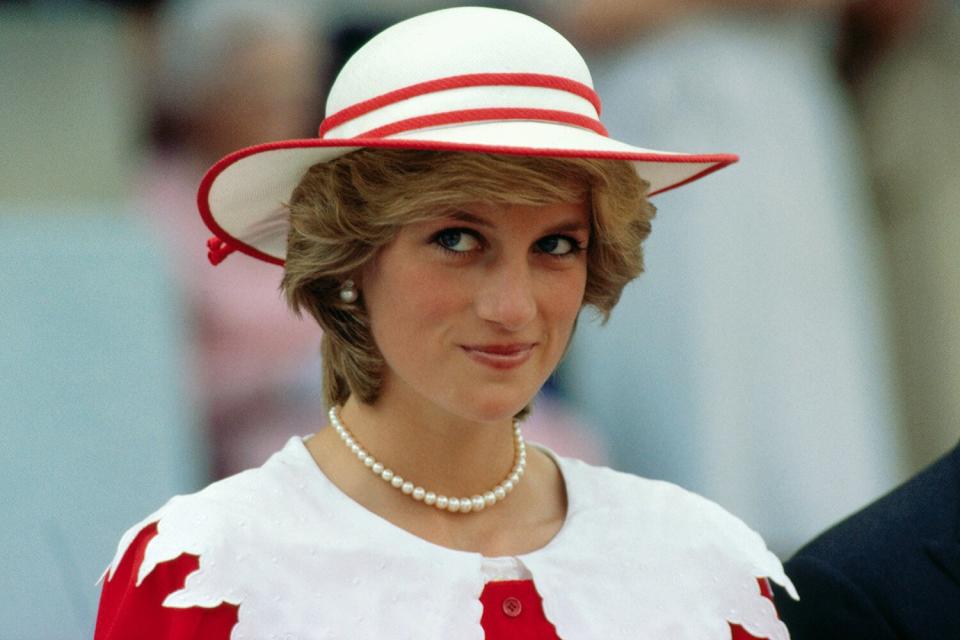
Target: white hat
463	79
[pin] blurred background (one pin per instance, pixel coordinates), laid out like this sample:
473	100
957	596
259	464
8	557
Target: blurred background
792	352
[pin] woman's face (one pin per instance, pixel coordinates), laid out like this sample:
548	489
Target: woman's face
472	312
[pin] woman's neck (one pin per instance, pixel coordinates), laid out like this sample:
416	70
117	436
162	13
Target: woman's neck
457	458
435	449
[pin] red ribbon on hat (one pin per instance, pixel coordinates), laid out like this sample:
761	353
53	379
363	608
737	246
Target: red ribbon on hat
218	250
544	81
475	115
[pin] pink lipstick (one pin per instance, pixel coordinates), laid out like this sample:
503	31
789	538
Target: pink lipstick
500	356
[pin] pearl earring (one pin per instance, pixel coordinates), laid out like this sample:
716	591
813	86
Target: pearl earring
348	292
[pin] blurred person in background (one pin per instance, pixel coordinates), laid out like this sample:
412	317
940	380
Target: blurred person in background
446	228
903	63
892	570
761	374
233	73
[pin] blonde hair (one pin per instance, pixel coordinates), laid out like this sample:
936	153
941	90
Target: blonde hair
343	211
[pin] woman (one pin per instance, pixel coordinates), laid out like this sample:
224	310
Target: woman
445	230
250	398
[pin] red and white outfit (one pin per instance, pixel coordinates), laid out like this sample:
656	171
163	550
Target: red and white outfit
281	552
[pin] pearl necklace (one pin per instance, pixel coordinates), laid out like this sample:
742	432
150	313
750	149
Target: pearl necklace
453	505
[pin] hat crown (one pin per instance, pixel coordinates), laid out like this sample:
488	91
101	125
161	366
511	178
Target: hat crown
451	43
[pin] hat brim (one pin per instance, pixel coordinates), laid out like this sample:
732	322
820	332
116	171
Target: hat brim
242	197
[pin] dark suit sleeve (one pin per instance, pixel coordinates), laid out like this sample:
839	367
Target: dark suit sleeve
831	606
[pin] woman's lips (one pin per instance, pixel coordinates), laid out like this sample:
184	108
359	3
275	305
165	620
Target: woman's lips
500	356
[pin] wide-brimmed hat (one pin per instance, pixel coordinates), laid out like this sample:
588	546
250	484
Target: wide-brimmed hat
465	79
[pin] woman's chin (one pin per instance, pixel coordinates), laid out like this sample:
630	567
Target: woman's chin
496	410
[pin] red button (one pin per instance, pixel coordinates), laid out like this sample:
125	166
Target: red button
512	607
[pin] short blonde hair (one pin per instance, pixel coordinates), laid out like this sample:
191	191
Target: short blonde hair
343	211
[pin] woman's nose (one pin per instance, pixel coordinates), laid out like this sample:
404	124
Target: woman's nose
506	296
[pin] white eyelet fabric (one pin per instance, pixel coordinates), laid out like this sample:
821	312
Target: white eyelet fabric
635	558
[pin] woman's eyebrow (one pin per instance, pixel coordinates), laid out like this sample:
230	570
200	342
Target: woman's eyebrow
463	216
567	227
563	227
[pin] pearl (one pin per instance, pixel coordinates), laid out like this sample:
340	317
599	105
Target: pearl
348	293
478	502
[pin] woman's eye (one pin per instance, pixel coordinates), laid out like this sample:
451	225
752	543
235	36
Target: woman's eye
557	245
457	240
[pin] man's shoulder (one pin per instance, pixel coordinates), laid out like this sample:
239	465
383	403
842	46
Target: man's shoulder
921	508
885	571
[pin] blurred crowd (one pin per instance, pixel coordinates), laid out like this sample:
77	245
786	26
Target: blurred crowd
793	349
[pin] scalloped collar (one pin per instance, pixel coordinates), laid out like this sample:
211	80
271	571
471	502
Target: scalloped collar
634	558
